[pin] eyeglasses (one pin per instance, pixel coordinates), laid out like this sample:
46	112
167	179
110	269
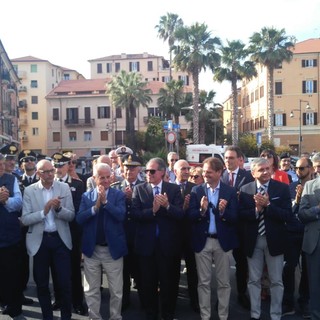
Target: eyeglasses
173	160
151	171
300	168
185	168
195	176
47	171
266	156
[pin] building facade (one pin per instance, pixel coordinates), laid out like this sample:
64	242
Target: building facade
296	101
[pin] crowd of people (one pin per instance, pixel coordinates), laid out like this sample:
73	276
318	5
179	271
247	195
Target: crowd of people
137	227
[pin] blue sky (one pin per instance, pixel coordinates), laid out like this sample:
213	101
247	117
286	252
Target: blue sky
71	32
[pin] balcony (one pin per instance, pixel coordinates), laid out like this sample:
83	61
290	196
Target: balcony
24	138
79	122
23	121
23	104
22	89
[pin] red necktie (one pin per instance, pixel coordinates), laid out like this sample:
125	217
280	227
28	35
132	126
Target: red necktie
231	180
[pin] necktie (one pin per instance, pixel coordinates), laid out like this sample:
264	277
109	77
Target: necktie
131	186
261	225
156	191
182	188
30	180
231	180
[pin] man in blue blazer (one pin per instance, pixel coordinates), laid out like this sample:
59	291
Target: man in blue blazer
265	207
213	212
101	214
157	208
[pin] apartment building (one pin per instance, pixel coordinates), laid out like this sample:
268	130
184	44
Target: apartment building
152	67
37	78
296	101
9	83
82	119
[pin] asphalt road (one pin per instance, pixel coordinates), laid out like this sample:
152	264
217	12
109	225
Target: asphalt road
183	311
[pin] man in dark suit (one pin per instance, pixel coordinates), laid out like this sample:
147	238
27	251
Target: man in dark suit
181	171
237	177
157	208
213	212
309	215
102	214
131	169
47	210
61	163
265	207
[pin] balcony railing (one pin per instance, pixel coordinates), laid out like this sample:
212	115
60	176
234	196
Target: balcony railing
79	122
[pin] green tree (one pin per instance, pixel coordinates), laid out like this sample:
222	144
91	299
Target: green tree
271	47
154	138
166	31
235	67
127	90
171	99
195	51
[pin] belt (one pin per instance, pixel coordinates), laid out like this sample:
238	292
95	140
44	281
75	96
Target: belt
102	244
212	235
51	234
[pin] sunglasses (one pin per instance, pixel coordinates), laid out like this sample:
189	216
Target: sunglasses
151	171
300	168
195	176
173	160
29	159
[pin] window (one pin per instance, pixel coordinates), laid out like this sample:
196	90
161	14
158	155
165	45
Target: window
185	80
56	136
118	113
252	97
87	136
309	118
34	100
72	136
280	119
72	116
55	114
309	63
134	66
150	66
99	68
166	79
34	84
66	76
33	68
35	131
104	135
109	67
261	91
278	87
309	86
261	122
104	112
117	66
34	115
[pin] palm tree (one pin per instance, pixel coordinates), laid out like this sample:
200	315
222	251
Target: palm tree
195	51
270	48
127	90
166	30
234	68
171	99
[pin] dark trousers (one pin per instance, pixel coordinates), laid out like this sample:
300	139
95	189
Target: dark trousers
241	270
159	271
292	257
76	276
10	278
53	253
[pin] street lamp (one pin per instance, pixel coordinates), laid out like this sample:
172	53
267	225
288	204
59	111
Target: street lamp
300	119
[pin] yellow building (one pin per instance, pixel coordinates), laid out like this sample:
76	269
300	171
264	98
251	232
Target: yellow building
296	91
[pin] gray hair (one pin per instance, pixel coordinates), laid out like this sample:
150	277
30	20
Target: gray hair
161	164
172	153
100	166
316	157
257	162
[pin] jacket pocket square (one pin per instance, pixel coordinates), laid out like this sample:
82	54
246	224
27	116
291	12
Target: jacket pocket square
275	198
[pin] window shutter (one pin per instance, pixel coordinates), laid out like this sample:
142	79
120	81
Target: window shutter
304	120
315	116
315	62
303	87
303	63
130	66
284	119
187	80
315	89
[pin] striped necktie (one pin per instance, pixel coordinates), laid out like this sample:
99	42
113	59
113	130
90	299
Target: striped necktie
261	225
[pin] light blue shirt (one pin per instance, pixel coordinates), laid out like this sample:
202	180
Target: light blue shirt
213	197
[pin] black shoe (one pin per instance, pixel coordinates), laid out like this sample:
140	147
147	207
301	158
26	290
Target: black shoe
56	306
79	310
5	310
305	311
27	301
287	310
244	301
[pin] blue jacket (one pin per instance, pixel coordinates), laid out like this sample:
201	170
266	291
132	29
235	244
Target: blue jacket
225	224
114	215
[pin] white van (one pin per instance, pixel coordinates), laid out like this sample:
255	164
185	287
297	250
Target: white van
196	153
